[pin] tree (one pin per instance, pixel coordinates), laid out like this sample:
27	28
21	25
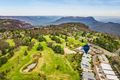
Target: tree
3	51
66	38
25	53
107	42
56	39
58	49
18	42
40	47
41	38
3	60
11	53
3	46
26	41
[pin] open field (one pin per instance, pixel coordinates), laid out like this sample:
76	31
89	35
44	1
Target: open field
50	65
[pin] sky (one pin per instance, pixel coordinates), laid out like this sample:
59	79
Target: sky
60	7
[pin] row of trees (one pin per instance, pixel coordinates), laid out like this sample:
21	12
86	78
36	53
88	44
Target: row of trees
107	43
6	52
56	48
56	39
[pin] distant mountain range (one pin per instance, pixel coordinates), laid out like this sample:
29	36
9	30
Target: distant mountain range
100	26
115	19
10	24
110	27
34	20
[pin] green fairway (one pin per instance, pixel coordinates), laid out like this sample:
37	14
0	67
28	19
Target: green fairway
52	66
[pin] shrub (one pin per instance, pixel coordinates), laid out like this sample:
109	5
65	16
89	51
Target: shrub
40	47
26	41
41	38
3	46
25	53
58	49
11	53
56	39
3	60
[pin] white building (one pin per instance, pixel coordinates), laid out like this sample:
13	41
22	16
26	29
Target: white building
108	72
87	73
103	58
88	76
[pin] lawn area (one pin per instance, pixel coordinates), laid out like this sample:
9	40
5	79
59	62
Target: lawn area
57	67
53	66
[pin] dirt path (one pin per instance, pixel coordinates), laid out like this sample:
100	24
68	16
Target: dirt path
39	65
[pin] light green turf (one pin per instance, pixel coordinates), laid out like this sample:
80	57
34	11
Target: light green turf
11	42
51	61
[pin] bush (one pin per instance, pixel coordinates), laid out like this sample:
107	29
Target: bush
56	39
18	42
25	53
3	60
58	49
3	46
4	52
26	41
11	53
41	38
40	47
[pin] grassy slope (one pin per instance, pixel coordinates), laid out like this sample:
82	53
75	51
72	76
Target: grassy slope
50	61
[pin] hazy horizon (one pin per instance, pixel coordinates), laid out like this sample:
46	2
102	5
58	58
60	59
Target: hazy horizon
60	8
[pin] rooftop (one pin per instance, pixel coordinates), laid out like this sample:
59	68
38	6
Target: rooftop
105	66
88	76
107	72
103	58
111	77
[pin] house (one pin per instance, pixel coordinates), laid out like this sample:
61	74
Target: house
103	59
108	72
88	76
